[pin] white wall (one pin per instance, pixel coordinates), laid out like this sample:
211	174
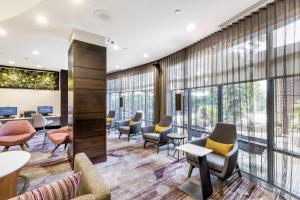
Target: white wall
26	99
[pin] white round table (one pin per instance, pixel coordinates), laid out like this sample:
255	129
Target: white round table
11	163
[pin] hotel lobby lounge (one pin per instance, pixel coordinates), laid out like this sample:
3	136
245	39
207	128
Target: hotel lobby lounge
149	99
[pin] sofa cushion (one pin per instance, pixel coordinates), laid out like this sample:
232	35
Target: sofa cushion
214	161
64	189
124	128
151	136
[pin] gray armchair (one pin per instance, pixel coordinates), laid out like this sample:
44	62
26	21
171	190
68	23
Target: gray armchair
222	167
124	128
111	114
161	138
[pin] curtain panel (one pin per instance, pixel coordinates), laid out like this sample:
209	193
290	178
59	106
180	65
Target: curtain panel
247	74
133	79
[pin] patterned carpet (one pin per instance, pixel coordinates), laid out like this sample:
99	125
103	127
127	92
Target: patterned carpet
132	172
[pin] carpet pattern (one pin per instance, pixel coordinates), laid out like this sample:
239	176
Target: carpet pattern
132	172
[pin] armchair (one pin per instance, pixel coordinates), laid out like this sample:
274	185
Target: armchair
220	166
16	133
110	124
124	127
161	138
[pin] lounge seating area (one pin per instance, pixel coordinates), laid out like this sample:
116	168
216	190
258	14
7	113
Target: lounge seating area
143	99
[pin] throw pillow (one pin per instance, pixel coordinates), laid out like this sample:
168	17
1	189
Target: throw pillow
64	189
217	147
159	129
132	123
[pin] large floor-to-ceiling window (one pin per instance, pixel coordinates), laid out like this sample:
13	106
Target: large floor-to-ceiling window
247	74
136	88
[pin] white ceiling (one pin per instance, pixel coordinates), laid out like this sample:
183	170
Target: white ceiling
140	26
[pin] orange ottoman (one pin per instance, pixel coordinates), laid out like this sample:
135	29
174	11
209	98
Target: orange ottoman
58	137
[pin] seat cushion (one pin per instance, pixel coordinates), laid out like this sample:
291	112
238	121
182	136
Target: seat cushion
64	189
58	138
214	161
124	128
151	136
12	140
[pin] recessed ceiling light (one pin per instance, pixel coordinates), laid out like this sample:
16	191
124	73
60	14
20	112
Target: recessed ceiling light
190	27
39	66
116	47
146	55
35	53
2	32
117	67
11	62
177	11
41	19
77	1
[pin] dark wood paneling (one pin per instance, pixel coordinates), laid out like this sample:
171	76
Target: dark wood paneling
64	97
89	97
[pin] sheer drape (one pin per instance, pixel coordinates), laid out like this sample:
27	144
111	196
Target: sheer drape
136	86
248	74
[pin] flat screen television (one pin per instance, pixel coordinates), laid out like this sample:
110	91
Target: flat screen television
45	110
8	111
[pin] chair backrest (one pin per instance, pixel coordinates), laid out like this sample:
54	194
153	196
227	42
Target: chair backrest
38	121
16	128
137	117
166	121
111	114
224	133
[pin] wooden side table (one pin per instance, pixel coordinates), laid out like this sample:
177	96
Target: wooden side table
194	190
11	164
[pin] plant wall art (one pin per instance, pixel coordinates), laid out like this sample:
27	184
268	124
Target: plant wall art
12	77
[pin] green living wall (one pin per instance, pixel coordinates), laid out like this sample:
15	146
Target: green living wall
11	77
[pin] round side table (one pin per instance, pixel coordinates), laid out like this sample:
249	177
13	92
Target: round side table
177	140
11	164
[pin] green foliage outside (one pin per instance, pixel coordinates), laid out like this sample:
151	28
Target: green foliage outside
28	79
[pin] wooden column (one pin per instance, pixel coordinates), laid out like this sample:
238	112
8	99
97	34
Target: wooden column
87	86
63	97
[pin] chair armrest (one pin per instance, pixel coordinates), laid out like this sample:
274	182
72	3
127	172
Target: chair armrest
135	128
90	179
199	142
123	123
148	129
85	197
230	161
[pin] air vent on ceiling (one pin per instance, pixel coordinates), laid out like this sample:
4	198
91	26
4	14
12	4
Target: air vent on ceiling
102	14
245	12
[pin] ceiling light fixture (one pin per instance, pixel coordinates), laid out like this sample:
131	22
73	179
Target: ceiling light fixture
39	66
146	55
41	19
116	47
35	53
77	1
177	11
190	27
2	32
11	62
117	67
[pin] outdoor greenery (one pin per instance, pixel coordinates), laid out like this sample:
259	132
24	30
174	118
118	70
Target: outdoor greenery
28	79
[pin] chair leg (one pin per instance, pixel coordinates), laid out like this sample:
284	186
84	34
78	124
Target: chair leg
128	137
120	135
26	144
157	148
220	184
55	148
238	170
145	144
23	147
5	149
190	170
65	147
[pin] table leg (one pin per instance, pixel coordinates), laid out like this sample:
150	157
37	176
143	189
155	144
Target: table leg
194	190
8	185
205	177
